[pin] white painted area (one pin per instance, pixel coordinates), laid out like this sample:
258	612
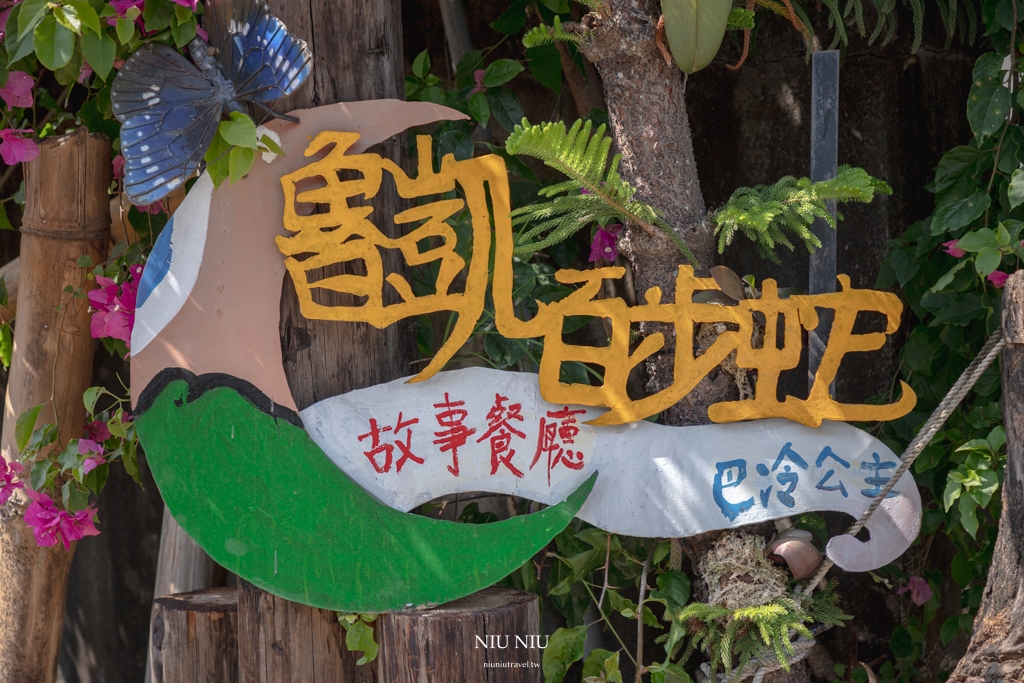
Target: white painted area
188	241
654	481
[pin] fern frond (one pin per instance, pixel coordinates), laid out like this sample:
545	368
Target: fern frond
547	35
583	159
770	214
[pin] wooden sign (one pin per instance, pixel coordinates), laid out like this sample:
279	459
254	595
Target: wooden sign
311	505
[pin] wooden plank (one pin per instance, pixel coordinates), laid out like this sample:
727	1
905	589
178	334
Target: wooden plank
824	166
194	637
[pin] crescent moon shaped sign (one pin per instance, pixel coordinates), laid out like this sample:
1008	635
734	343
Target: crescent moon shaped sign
311	505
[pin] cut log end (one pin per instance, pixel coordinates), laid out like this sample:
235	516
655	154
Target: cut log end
194	637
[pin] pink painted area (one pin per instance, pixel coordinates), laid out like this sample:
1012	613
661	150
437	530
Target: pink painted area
230	322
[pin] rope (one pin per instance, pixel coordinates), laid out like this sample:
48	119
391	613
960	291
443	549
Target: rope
950	401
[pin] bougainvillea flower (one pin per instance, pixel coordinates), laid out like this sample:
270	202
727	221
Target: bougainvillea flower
201	32
18	91
920	591
118	164
14	149
8	479
191	4
114	307
998	278
95	453
605	244
478	76
84	74
50	523
97	430
952	249
92	462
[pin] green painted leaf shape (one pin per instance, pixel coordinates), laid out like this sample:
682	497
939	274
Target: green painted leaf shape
695	29
266	503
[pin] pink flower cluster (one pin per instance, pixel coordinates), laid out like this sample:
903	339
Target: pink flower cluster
114	307
50	523
10	478
95	452
18	91
997	277
606	243
920	591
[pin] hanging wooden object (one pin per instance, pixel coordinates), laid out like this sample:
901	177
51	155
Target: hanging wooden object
193	637
66	216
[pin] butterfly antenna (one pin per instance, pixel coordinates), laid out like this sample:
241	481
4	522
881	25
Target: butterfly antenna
283	117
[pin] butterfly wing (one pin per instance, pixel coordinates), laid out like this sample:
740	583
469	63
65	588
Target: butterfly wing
169	113
256	52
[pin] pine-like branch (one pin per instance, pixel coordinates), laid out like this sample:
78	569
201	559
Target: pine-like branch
603	194
770	214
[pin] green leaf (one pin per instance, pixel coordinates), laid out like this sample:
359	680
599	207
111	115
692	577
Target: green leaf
479	109
239	131
546	66
668	673
987	108
183	32
695	30
556	6
421	65
987	261
182	14
501	71
89	398
360	639
511	20
960	570
958	170
951	493
86	15
564	648
950	629
39	474
99	51
968	515
17	46
603	665
674	589
6	345
54	44
125	30
976	241
1015	191
157	14
273	147
901	643
955	215
217	160
944	281
505	107
240	161
68	18
25	425
32	12
905	264
5	222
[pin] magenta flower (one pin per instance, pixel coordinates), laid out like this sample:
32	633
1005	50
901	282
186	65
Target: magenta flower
122	6
84	74
49	523
97	430
201	32
114	307
18	91
605	244
952	249
14	149
998	278
478	76
3	19
8	482
155	208
118	165
920	591
95	453
191	4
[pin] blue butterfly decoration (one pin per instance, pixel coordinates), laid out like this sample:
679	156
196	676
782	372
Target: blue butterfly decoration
170	108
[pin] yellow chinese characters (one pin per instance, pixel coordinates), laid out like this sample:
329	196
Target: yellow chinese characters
345	233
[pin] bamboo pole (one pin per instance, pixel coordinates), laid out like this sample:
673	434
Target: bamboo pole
66	216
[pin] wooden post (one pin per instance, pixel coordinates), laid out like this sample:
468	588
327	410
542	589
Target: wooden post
994	655
66	216
357	55
490	637
193	637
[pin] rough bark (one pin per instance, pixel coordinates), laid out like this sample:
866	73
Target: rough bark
648	120
66	216
996	652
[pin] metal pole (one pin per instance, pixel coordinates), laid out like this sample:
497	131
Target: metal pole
824	165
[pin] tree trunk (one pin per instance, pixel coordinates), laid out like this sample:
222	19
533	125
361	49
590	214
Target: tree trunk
472	640
193	637
996	652
66	216
648	120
